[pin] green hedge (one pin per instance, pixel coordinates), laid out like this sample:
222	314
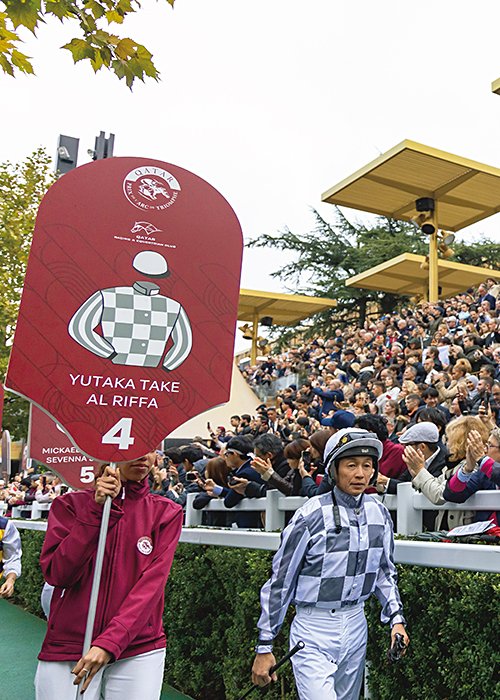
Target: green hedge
212	606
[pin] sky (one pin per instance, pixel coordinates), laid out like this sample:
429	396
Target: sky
274	101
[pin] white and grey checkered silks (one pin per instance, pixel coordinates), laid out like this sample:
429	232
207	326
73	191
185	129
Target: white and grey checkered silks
316	566
136	324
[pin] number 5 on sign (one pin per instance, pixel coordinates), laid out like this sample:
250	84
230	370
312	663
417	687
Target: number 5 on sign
120	434
87	475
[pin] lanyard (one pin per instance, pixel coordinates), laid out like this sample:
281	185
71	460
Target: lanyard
336	512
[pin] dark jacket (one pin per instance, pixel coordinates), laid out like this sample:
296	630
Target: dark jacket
329	398
289	485
476	357
280	464
232	498
310	488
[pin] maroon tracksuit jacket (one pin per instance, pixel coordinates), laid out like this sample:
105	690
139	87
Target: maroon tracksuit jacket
143	533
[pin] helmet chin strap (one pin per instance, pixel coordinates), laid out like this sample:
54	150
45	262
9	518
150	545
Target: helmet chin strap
336	513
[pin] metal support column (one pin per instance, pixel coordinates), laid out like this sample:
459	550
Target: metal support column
255	335
433	268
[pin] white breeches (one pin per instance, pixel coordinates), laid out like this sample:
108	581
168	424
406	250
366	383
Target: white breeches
137	678
331	665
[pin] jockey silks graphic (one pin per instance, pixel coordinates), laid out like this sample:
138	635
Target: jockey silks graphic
127	320
136	321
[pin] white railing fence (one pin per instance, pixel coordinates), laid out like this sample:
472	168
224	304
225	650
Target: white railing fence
35	510
408	504
449	555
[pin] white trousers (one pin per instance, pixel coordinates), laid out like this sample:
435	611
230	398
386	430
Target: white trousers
331	665
137	678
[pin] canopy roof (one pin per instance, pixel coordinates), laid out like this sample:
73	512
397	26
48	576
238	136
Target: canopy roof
285	309
405	275
464	191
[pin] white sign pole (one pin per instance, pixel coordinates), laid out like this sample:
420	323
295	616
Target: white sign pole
96	582
28	448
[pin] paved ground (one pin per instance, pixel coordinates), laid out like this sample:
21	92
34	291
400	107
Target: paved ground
21	639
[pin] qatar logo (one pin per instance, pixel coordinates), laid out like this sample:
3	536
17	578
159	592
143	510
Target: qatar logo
151	188
145	545
145	228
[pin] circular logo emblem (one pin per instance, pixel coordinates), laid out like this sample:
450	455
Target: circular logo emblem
145	545
151	188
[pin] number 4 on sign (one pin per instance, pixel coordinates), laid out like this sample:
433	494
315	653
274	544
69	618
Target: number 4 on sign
120	434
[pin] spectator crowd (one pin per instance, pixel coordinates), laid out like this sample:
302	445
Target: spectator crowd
425	379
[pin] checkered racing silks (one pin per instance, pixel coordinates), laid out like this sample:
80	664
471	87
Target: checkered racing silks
136	324
315	566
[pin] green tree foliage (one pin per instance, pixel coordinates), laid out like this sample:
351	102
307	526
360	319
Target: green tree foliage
124	56
333	252
483	253
22	187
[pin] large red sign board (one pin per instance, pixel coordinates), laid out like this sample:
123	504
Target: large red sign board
127	319
50	445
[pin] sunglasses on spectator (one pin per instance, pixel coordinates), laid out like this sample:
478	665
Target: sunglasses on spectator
236	452
491	446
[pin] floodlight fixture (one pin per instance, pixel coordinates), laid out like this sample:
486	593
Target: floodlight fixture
447	237
247	331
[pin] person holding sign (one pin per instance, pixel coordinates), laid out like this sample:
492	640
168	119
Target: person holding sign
127	653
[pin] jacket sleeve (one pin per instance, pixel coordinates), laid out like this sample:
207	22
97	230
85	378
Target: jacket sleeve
82	325
448	394
149	588
12	552
392	484
431	486
201	500
462	486
386	586
277	593
277	482
41	497
71	538
309	487
334	395
491	469
182	338
232	499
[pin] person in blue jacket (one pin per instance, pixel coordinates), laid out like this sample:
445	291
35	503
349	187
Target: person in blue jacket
329	397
